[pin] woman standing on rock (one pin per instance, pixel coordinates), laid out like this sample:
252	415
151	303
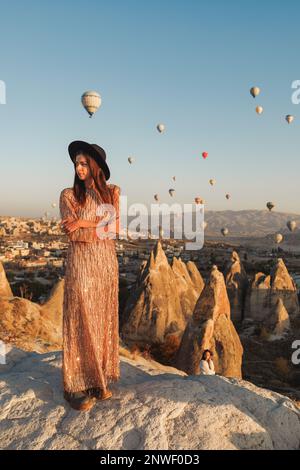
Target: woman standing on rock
90	304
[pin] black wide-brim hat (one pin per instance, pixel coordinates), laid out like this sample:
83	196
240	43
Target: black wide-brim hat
96	152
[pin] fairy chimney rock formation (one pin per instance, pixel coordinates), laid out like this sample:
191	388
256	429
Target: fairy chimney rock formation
195	276
279	321
211	328
283	287
265	291
237	283
52	309
189	284
162	299
5	289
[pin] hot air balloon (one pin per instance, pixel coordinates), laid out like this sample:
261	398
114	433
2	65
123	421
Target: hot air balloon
130	159
160	127
204	155
171	192
212	182
255	91
227	196
53	204
278	238
91	101
270	205
259	109
224	231
199	200
289	118
291	224
156	197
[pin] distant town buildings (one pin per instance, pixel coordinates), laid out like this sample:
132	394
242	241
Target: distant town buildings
36	249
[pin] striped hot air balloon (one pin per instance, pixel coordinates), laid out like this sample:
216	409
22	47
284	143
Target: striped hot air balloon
91	101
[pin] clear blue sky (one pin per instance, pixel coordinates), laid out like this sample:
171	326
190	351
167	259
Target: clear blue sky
189	64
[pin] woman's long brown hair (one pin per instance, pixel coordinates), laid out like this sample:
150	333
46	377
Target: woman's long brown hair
98	177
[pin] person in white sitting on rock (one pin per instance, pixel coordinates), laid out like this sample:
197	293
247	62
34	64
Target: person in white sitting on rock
206	364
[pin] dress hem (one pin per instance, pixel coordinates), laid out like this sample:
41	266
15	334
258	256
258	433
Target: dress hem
109	379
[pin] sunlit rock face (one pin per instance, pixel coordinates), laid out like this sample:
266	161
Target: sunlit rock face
31	326
5	289
211	328
265	292
236	283
162	299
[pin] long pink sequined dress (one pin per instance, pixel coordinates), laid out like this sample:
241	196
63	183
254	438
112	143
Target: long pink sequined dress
90	304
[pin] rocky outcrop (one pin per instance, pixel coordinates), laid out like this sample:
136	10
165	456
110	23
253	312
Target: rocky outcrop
52	309
279	321
211	328
152	408
189	284
236	283
195	276
5	289
31	326
283	287
162	299
257	300
265	291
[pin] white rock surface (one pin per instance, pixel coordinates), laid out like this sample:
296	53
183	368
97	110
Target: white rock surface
153	407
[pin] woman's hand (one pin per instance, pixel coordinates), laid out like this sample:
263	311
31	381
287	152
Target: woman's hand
70	225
